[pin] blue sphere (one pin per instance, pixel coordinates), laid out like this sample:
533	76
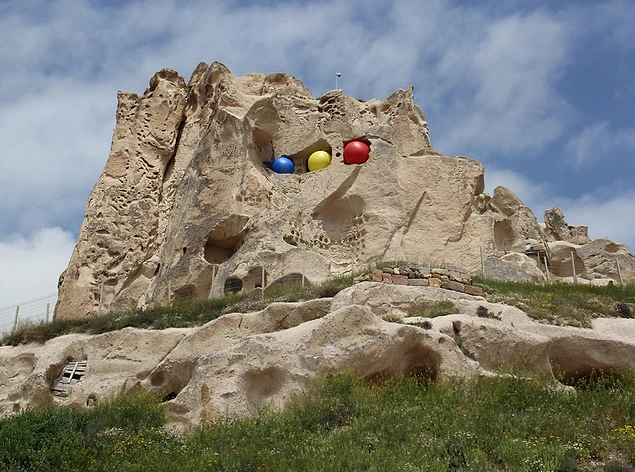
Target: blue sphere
282	165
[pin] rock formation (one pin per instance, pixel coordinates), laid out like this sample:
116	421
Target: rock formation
187	206
239	363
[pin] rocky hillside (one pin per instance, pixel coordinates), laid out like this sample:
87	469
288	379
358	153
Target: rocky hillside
226	184
241	362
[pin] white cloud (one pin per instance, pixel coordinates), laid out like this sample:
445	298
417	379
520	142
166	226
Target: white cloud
599	141
31	266
534	195
510	73
612	218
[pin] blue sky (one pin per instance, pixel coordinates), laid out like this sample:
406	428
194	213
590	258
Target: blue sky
541	93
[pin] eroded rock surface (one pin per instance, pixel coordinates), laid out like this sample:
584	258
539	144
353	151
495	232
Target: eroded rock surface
239	363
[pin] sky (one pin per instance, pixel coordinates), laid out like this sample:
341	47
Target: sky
540	92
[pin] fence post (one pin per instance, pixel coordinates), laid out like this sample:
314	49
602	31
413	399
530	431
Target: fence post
575	277
547	270
262	270
211	290
101	298
303	269
15	322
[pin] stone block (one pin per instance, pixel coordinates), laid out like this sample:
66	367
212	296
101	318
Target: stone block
452	285
418	282
378	275
434	282
472	290
400	279
387	278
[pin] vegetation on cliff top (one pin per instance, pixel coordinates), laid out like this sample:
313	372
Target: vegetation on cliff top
560	304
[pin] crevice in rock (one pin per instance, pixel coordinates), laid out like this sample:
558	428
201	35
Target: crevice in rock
225	239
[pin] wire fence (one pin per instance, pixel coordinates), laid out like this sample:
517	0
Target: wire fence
34	311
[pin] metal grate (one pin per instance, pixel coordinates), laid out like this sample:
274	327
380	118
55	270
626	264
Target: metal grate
72	373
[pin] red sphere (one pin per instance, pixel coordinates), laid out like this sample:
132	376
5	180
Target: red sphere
356	152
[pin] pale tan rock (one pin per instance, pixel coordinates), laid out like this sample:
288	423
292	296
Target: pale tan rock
602	258
188	208
528	264
240	363
558	229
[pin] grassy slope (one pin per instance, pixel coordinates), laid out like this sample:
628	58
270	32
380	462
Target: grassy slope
344	423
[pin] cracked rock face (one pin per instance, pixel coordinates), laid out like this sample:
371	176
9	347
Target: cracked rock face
242	362
187	206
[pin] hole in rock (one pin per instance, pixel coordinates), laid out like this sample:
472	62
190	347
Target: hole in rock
168	170
340	215
225	239
168	397
580	362
301	158
410	360
71	374
607	378
169	380
503	235
186	293
254	279
233	285
289	280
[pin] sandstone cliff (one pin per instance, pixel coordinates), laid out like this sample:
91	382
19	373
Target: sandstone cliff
188	207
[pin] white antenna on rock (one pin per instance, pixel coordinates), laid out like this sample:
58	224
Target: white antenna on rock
337	76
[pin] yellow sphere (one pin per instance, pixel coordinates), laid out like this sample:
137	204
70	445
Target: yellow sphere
319	160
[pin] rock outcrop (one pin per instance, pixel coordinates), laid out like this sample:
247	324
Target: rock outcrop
239	363
187	206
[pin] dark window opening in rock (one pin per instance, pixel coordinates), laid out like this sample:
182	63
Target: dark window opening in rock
168	397
262	141
254	279
72	373
186	293
233	285
184	250
225	239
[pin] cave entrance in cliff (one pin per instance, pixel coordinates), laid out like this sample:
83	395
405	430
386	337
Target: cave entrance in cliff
301	159
413	361
225	239
70	376
233	285
256	279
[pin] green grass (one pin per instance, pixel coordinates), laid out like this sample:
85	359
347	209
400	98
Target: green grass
346	423
563	304
559	304
178	314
